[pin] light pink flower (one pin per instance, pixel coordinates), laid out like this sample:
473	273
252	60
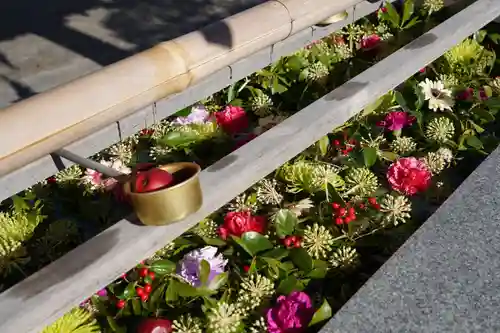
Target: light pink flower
409	176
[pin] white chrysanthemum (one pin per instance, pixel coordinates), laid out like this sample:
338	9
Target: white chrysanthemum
438	96
403	145
187	324
71	174
224	318
259	326
344	257
440	129
254	289
267	194
435	162
446	154
361	182
242	203
396	209
317	241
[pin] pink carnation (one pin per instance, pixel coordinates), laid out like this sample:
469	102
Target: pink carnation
409	175
396	120
291	314
233	119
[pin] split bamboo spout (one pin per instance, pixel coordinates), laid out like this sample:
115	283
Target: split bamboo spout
51	120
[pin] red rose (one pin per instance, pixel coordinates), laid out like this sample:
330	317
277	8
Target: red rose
233	119
237	223
409	175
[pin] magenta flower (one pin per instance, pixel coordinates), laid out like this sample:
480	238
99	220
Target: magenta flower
369	42
291	314
396	120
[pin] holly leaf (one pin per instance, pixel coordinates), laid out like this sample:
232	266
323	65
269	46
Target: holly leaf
301	259
129	291
276	253
287	285
253	242
474	142
320	268
322	314
285	222
162	267
136	307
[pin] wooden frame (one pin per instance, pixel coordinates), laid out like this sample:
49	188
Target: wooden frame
49	293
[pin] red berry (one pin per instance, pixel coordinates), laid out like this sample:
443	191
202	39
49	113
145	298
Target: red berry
124	276
352	217
336	142
348	149
372	200
298	243
246	268
139	291
143	272
352	211
361	206
147	288
288	241
335	205
341	211
151	275
339	221
120	304
144	297
376	206
345	152
347	219
353	141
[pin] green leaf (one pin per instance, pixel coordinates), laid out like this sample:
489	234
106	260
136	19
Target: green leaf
408	9
392	14
184	112
322	314
162	267
323	144
480	35
287	285
389	156
136	307
320	268
114	325
156	294
204	271
186	290
332	195
253	242
178	139
412	22
474	142
171	295
301	259
369	156
129	291
476	127
483	114
495	37
214	241
218	281
400	100
285	222
276	253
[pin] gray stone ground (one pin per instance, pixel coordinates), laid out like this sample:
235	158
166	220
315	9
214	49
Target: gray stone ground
47	43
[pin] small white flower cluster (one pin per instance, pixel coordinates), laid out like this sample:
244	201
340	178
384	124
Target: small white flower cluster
267	194
259	326
344	257
206	228
68	175
187	324
396	209
261	104
224	318
440	129
242	203
254	289
361	181
157	152
317	241
403	145
122	151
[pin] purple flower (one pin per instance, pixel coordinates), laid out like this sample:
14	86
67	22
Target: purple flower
198	115
291	314
102	293
189	267
396	120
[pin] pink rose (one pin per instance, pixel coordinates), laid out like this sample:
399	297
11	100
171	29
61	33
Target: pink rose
233	119
369	42
290	314
409	175
396	120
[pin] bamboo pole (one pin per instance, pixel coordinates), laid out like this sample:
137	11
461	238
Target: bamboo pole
49	121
